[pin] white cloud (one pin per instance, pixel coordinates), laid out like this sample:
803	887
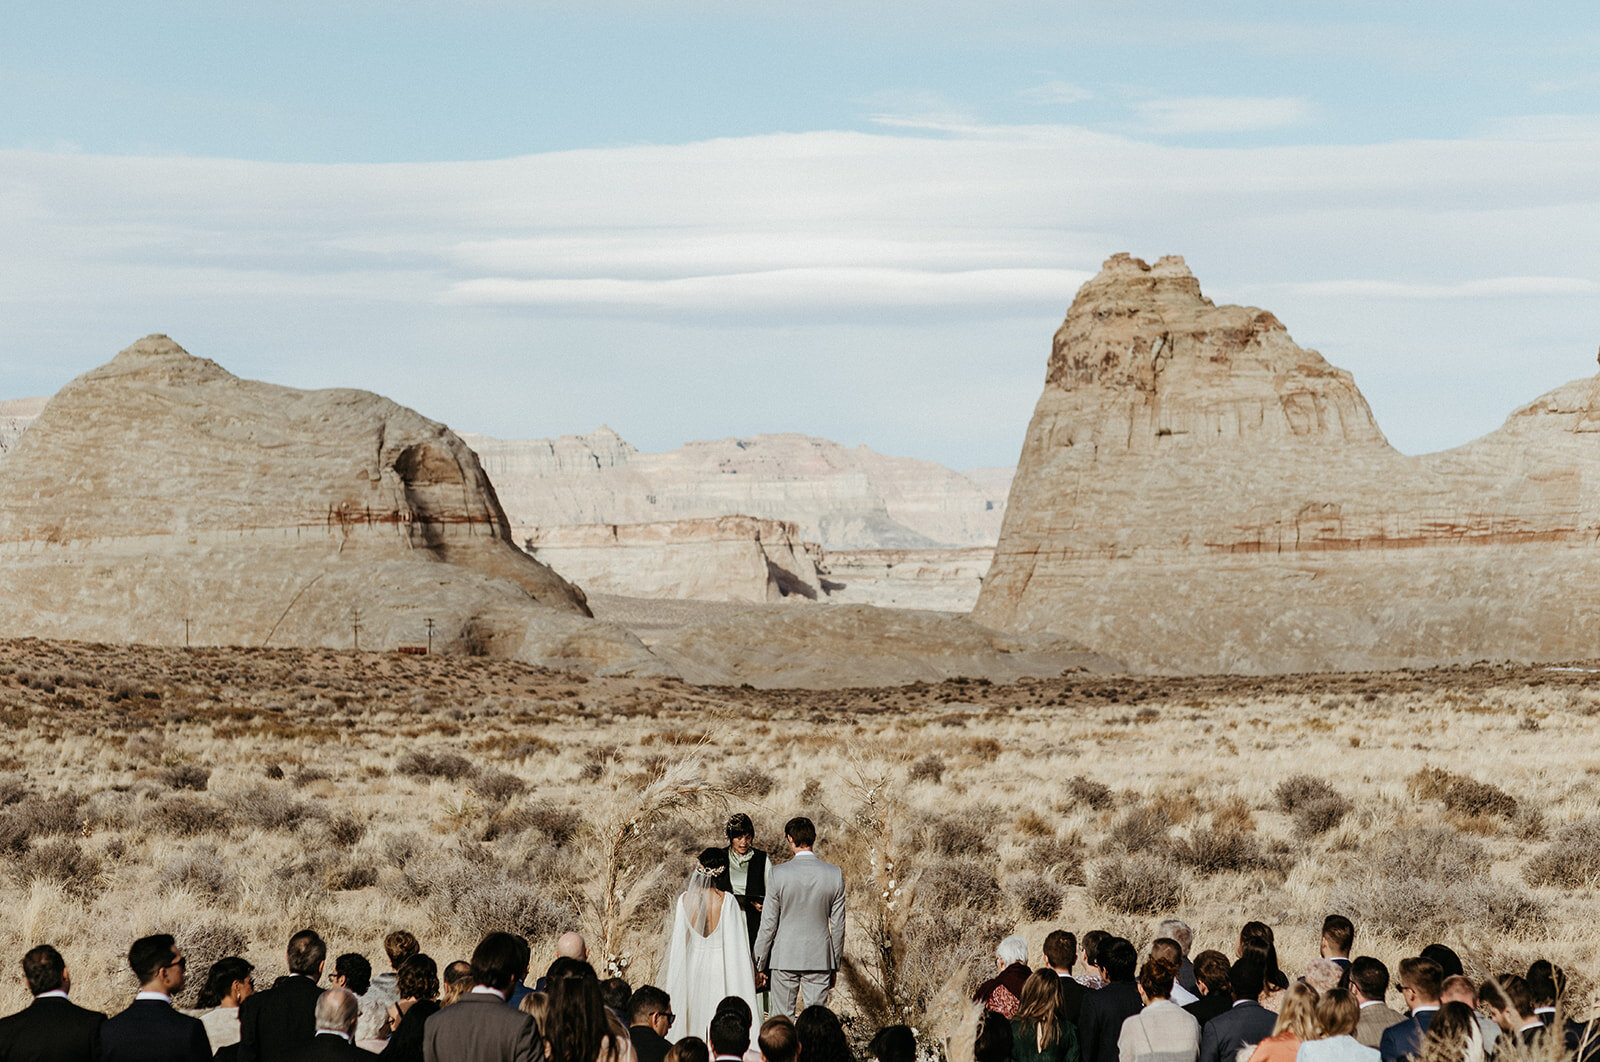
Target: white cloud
1545	127
1487	288
1056	92
1220	114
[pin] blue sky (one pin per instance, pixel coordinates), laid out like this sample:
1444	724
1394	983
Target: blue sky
858	220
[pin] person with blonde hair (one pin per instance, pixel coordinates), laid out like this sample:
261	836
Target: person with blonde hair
1162	1031
1037	1032
1338	1013
1297	1023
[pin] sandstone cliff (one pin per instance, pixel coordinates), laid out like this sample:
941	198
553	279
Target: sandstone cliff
1198	493
16	414
840	497
159	497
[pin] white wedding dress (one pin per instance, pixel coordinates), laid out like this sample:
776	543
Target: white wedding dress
707	960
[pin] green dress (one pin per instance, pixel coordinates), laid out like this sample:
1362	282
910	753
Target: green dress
1025	1037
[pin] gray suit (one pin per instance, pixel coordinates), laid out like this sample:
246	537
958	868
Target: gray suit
801	939
480	1028
1374	1020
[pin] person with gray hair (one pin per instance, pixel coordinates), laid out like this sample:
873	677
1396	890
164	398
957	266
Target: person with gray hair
1173	929
335	1016
1002	993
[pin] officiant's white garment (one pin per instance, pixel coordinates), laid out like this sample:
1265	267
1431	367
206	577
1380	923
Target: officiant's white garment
701	968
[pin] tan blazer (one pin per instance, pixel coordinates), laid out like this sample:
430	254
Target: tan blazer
1374	1020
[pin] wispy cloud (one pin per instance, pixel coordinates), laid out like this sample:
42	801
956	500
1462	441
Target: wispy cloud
1486	288
1545	127
1056	92
1220	114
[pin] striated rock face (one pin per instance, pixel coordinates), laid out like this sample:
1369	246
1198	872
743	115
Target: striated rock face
1198	493
159	488
729	558
842	498
939	580
16	414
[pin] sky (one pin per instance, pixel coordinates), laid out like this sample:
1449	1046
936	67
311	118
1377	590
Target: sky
862	221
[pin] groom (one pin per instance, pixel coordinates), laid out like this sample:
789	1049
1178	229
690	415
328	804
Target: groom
801	938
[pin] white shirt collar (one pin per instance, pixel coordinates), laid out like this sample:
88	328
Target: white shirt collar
1242	1002
54	993
487	991
336	1032
1365	1003
807	852
1426	1006
162	996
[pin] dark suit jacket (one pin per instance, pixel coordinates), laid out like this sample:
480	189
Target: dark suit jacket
648	1046
1100	1019
1072	995
1404	1039
405	1043
330	1047
755	889
480	1028
1245	1023
274	1024
151	1031
1209	1006
1186	976
51	1030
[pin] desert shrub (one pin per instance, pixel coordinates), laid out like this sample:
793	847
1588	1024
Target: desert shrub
1038	897
954	884
1319	815
487	903
13	789
187	816
446	765
500	786
1061	858
1096	796
1032	824
596	760
1429	881
1142	828
1140	885
748	781
62	861
811	793
559	824
273	809
964	833
1300	789
202	870
203	943
928	769
1571	860
399	849
345	830
40	817
1218	851
1472	797
1233	814
1528	823
350	874
274	772
306	775
186	776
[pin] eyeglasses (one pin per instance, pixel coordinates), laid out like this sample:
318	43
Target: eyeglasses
181	962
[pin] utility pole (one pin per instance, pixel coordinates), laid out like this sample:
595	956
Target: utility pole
429	622
355	628
186	632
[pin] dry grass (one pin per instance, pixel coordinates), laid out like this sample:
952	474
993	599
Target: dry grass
235	796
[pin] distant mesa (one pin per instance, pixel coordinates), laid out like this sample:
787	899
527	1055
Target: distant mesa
159	498
1198	493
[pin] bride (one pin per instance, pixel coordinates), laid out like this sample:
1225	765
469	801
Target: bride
707	953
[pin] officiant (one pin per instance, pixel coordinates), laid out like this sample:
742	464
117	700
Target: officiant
746	876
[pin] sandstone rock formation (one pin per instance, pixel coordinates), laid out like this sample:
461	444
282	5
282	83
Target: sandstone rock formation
1198	493
158	497
939	580
842	498
728	558
16	414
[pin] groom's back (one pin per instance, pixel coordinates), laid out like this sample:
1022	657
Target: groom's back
809	894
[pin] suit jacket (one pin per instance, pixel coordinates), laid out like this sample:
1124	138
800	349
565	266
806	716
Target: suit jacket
1163	1029
1374	1020
648	1046
1209	1006
1186	976
802	920
1242	1024
52	1029
151	1031
1404	1038
480	1028
330	1047
1101	1017
275	1024
1072	993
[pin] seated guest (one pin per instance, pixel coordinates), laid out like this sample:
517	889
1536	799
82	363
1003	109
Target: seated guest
457	982
1449	962
228	983
1038	1034
417	983
1510	1005
1002	992
1297	1023
479	1025
519	989
649	1020
1257	938
729	1038
1420	982
822	1038
1369	981
1104	1010
1170	950
333	1021
1458	989
536	1005
689	1049
1453	1036
739	1008
1246	1022
354	973
577	1027
1546	985
1090	976
1337	1016
615	993
778	1041
52	1028
150	1030
1162	1031
1216	995
897	1043
1061	953
1338	937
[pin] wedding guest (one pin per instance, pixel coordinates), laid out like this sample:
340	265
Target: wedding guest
1038	1033
150	1030
1449	962
1061	953
478	1025
1247	1022
1172	951
615	993
1337	1016
417	984
778	1041
536	1005
821	1036
52	1028
1105	1009
1457	989
1369	980
1297	1022
1179	931
1162	1031
892	1043
457	982
1090	976
398	946
1510	1004
689	1049
1324	974
1453	1036
1002	992
333	1023
228	983
519	990
1420	981
1216	994
577	1027
280	1020
729	1036
993	1042
1257	937
1546	985
649	1020
1338	937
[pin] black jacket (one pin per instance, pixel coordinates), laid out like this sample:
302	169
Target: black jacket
1209	1006
755	889
1101	1017
275	1024
647	1045
51	1030
1072	996
151	1031
405	1042
330	1047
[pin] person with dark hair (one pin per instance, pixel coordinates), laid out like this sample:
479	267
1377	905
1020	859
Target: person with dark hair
777	1040
745	876
801	940
1457	989
228	983
277	1022
1420	982
1369	981
150	1030
1449	962
1061	954
52	1028
577	1028
689	1049
567	966
1162	1031
478	1027
1547	983
821	1036
1170	949
1186	989
519	990
1257	938
1510	1006
730	1036
1246	1022
456	982
615	993
1338	937
1105	1009
1090	977
417	982
1211	978
649	1020
352	971
994	1042
1038	1033
892	1043
1453	1036
707	956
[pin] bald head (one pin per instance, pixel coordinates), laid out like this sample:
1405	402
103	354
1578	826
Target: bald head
572	946
1457	989
337	1010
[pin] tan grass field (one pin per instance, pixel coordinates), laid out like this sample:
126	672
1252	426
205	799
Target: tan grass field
234	796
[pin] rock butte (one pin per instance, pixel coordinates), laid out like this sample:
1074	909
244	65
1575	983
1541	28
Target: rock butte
1197	493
